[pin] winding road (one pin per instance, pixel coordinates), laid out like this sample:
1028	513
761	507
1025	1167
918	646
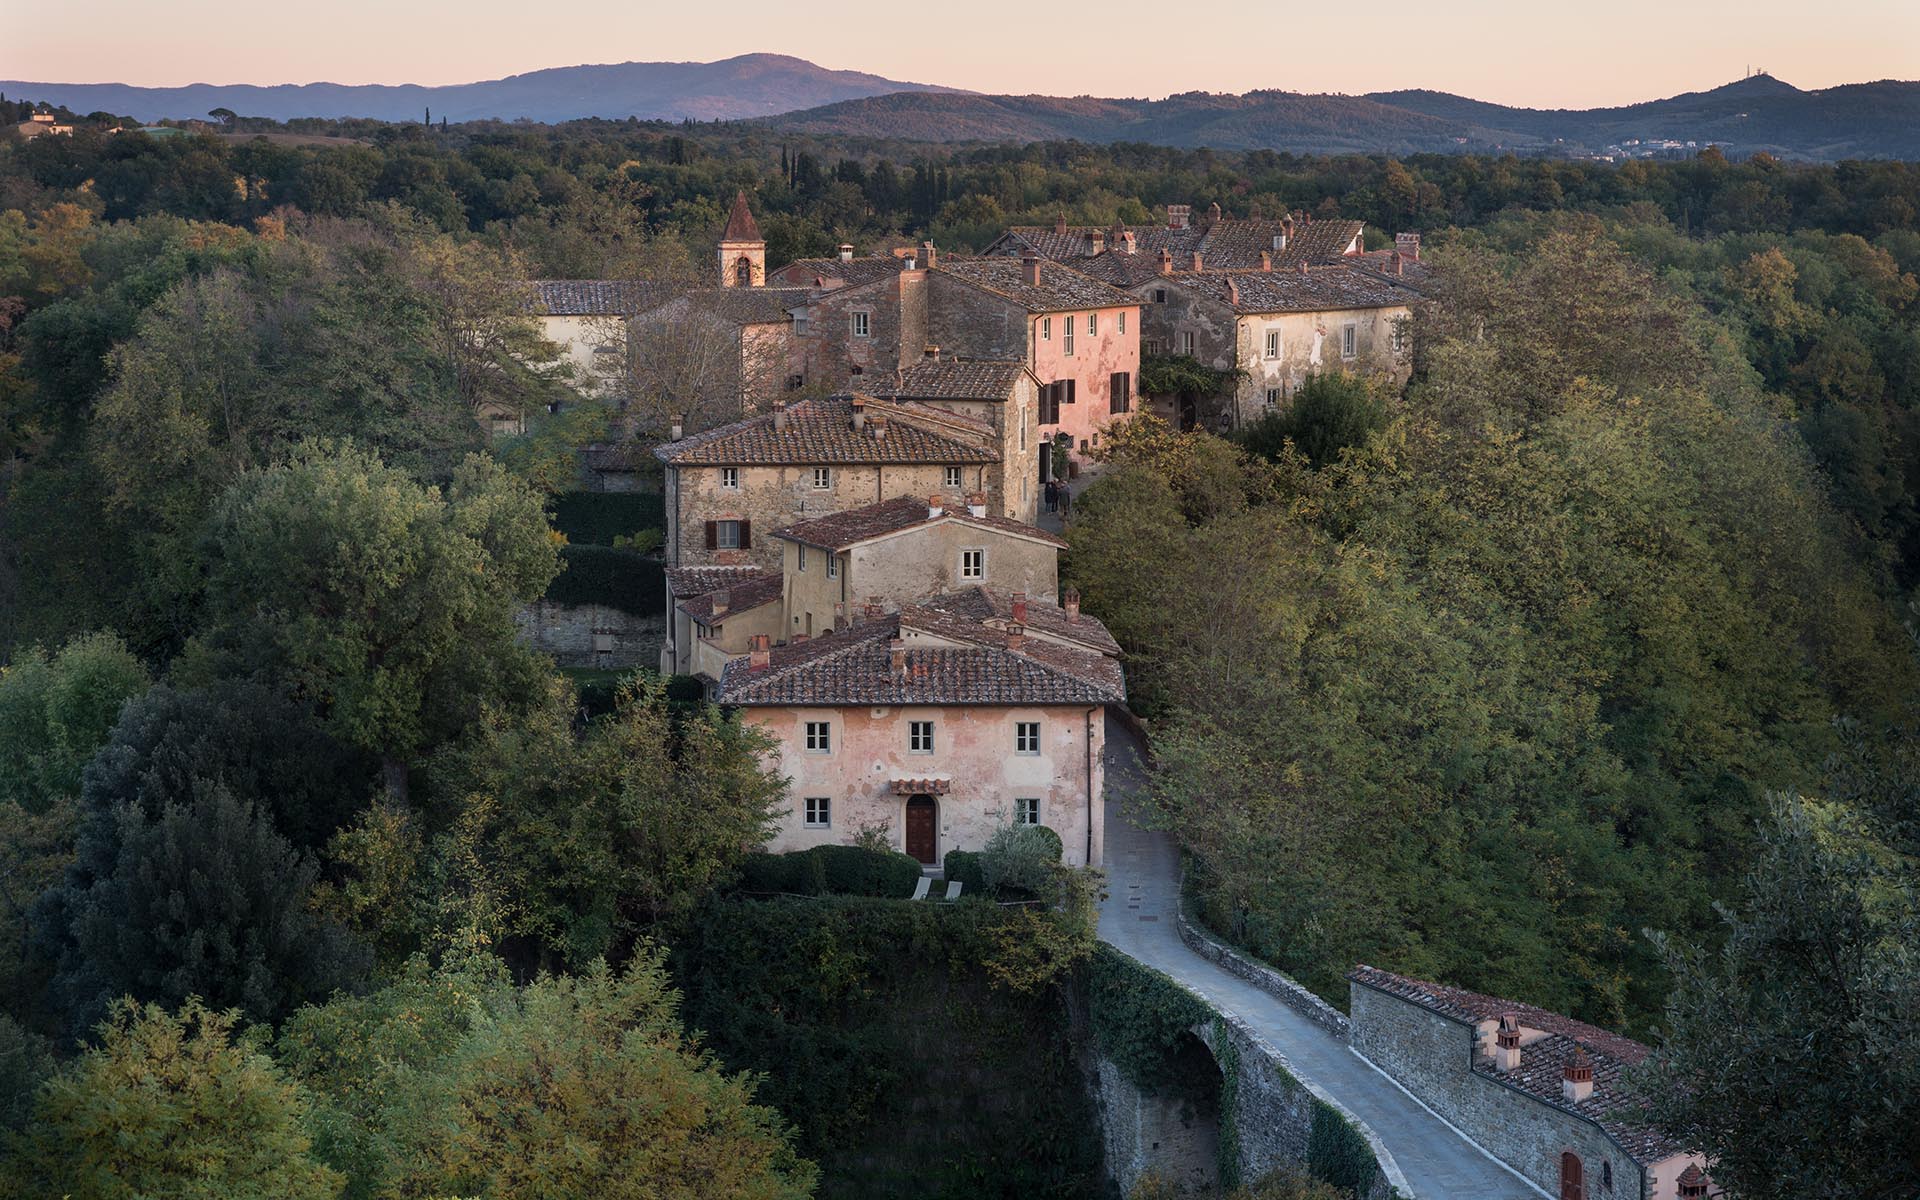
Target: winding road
1140	916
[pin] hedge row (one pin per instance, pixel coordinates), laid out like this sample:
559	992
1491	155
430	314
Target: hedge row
1138	1016
621	579
832	871
596	518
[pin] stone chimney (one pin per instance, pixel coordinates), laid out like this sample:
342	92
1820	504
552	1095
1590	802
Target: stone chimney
858	405
1408	244
1019	608
846	252
1266	260
1179	216
779	416
1094	241
1398	263
1196	260
1030	268
1213	214
1060	223
927	255
1016	636
1576	1078
878	423
1506	1044
1070	600
1126	242
976	504
897	656
931	354
759	652
678	429
936	507
719	604
1233	291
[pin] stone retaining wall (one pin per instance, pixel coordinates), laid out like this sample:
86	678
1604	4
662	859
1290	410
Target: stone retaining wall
1264	977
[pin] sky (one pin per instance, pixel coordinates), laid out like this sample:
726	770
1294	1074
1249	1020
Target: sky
1537	53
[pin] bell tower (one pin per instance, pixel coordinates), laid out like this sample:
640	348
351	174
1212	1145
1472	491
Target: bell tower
743	252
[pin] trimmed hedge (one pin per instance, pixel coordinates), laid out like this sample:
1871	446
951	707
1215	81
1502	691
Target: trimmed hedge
1337	1152
620	579
832	871
596	518
964	865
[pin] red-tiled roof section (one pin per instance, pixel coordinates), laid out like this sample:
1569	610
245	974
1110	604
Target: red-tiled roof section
1228	243
741	227
830	274
837	531
820	431
686	582
1542	1062
750	306
750	593
1060	287
954	379
1043	617
596	297
1320	289
855	667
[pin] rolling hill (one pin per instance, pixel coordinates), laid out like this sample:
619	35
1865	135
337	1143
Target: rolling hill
752	85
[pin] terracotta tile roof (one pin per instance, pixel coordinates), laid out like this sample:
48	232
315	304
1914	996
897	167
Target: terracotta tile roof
1611	1105
1044	618
854	667
833	273
596	297
1226	244
750	593
954	379
685	582
820	431
1060	287
741	227
1320	289
749	306
613	456
837	531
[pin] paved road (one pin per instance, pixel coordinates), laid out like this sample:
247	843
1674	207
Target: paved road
1139	917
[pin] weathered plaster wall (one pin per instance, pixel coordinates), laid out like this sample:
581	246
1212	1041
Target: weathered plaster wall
1091	366
906	569
1311	342
967	322
973	745
574	634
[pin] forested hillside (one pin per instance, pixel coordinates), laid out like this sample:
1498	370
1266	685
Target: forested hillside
1479	681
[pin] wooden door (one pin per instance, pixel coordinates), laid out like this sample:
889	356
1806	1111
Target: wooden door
1573	1178
920	832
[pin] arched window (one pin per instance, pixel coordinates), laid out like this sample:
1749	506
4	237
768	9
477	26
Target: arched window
743	272
1606	1175
1573	1177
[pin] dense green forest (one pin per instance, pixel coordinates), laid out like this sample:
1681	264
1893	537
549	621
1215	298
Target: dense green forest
1478	681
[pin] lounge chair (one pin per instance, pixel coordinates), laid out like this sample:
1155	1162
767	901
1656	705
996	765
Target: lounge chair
920	889
953	890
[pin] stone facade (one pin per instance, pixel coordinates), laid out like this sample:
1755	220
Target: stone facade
1014	483
590	635
854	334
973	747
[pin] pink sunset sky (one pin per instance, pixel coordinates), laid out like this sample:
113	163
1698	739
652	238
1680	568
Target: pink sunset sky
1526	52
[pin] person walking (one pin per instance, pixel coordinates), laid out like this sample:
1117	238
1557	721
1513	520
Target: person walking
1053	495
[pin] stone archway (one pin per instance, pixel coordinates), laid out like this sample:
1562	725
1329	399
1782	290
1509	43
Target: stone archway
1171	1131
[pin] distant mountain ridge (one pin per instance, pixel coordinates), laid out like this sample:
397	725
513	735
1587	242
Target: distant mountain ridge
1862	120
750	85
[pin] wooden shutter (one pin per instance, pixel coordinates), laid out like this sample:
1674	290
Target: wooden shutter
713	535
746	535
1069	386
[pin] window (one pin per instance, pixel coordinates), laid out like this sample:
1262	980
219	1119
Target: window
1067	337
1023	428
1026	737
796	382
1349	340
801	555
819	812
1273	343
1273	397
920	737
1121	317
1026	810
1186	342
819	737
833	566
1120	392
1400	337
860	324
730	478
1093	324
1606	1174
727	535
973	564
953	477
1046	329
822	478
802	326
1159	295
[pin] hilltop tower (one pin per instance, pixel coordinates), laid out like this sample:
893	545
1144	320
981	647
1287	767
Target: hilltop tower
743	252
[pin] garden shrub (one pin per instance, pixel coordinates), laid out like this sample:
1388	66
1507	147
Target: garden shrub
619	579
596	518
832	871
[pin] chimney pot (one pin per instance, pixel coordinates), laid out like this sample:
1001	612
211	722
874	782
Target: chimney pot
977	504
897	656
878	422
1506	1044
932	353
1576	1078
760	651
720	603
1016	636
678	429
1266	260
1233	291
779	416
926	255
935	507
1303	266
846	252
1060	223
1019	608
1166	261
1030	269
1179	215
1127	241
1196	260
858	406
1408	244
1070	600
1213	213
1399	264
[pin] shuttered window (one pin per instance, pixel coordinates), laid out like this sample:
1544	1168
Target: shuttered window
1120	392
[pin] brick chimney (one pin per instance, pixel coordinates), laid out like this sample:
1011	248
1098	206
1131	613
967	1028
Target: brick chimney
875	609
927	255
1213	214
1286	232
759	652
1019	608
1397	263
1233	291
1179	216
846	252
1060	222
1095	241
779	416
1196	260
1408	244
1506	1044
1126	242
878	423
1266	260
1030	268
858	405
1303	266
976	504
678	429
936	507
719	604
1016	636
897	656
931	354
1070	600
1166	261
1576	1078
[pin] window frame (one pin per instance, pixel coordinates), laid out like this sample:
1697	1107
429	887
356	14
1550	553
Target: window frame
823	479
859	323
1273	344
1350	341
1026	810
721	528
979	571
833	565
820	817
800	556
1066	337
1093	324
1121	321
730	478
818	737
954	477
1046	329
1188	344
1026	738
919	732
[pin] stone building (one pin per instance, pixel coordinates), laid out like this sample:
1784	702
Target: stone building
940	723
1541	1092
587	319
866	319
884	555
1276	328
1004	395
717	615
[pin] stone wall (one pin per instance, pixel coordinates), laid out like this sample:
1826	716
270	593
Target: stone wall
1290	993
1167	1136
1431	1056
1312	342
575	634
